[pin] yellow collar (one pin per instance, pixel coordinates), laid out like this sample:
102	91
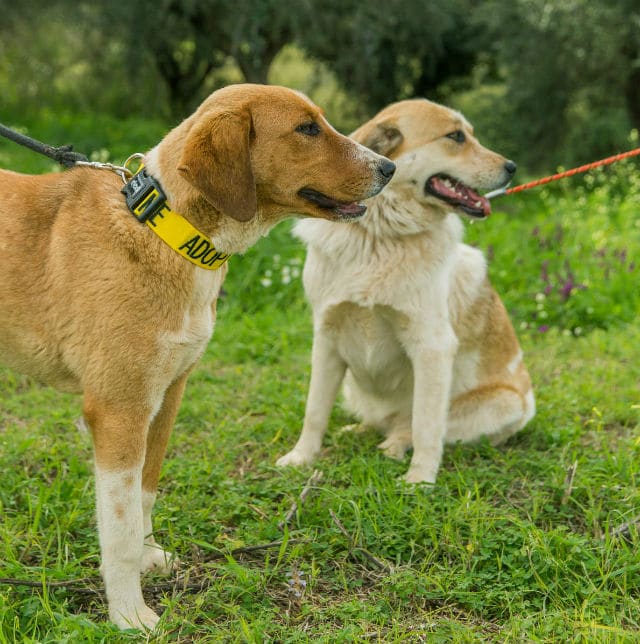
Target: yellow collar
148	204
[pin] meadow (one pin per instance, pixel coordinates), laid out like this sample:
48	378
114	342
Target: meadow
533	541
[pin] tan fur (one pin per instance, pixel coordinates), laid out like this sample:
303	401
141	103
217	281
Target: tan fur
404	314
92	301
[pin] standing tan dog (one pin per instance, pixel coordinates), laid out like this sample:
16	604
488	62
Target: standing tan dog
113	312
405	310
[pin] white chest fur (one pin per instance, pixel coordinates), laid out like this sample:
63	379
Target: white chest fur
180	348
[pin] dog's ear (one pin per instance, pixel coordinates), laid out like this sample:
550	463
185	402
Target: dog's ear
216	159
382	138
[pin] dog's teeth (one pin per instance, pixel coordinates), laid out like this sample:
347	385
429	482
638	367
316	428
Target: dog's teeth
478	204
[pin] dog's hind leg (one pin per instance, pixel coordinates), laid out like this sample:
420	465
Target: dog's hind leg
154	557
496	411
398	440
119	430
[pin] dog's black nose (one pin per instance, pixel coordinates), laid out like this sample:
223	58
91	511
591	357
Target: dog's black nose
510	167
387	168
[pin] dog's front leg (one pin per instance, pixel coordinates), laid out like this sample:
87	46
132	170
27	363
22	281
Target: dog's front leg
432	361
327	372
119	434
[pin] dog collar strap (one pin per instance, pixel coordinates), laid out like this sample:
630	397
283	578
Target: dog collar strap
148	204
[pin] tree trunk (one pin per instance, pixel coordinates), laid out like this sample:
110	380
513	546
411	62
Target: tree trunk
255	65
632	94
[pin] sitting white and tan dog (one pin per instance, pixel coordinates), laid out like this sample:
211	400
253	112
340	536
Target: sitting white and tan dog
403	311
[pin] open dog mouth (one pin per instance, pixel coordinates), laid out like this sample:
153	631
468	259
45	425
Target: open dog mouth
344	210
458	194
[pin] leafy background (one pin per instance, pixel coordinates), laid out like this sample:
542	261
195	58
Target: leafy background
534	541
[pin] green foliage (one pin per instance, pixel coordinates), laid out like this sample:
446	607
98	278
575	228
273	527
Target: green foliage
504	548
268	274
410	48
293	68
501	550
568	259
100	137
563	256
547	83
571	75
60	56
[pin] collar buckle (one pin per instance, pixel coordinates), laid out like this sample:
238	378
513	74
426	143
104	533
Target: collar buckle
144	196
147	202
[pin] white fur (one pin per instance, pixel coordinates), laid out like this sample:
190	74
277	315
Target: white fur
385	347
121	531
179	349
154	557
392	298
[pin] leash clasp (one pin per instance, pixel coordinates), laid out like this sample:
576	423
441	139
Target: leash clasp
496	193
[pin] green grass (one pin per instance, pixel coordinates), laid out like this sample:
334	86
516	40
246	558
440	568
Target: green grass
502	550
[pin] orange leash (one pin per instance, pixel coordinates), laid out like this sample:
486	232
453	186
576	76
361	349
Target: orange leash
562	175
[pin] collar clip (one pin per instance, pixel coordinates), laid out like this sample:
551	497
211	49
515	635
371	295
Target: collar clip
145	198
147	202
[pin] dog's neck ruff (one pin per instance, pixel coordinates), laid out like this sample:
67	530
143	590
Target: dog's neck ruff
148	204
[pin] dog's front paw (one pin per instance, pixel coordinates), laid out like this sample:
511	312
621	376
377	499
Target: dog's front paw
142	618
156	558
296	457
421	474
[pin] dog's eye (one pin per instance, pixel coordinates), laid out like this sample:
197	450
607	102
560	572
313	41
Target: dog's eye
457	136
310	129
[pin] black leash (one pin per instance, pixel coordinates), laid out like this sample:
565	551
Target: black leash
63	155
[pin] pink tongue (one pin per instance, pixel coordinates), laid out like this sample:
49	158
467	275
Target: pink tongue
463	195
351	208
485	205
